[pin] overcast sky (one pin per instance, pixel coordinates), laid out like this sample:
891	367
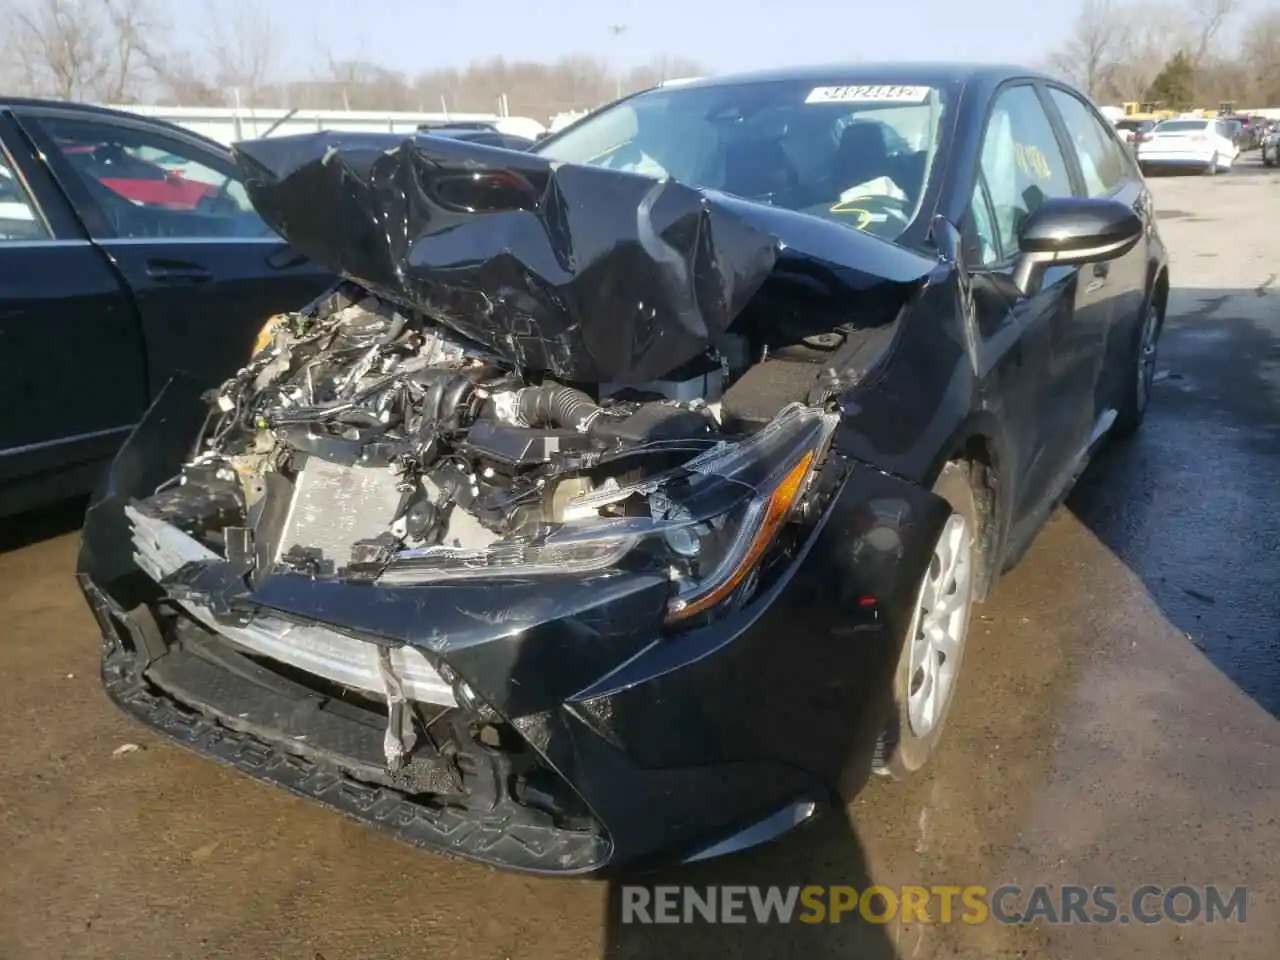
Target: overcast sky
724	35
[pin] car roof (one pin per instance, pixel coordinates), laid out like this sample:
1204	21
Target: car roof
9	103
896	72
457	125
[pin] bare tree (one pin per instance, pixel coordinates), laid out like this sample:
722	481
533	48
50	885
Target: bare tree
81	49
132	48
360	84
1209	17
58	47
1088	53
1148	34
1261	55
242	47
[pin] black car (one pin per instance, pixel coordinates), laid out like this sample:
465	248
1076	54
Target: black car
485	133
130	249
629	499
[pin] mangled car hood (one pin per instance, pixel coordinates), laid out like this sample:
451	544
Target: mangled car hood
588	274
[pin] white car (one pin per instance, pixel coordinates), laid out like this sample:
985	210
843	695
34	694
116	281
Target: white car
1190	142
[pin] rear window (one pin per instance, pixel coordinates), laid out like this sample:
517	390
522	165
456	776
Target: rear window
860	155
1173	126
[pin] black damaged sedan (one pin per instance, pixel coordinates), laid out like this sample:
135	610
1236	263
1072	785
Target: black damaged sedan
628	500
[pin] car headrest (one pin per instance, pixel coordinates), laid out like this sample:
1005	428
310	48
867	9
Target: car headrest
862	139
755	168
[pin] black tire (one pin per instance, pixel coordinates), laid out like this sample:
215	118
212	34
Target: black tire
901	752
1134	398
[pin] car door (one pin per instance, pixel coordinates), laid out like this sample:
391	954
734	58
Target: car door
72	365
1115	292
1029	343
204	269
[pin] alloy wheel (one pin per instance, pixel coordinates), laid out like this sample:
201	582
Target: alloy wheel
1147	355
939	626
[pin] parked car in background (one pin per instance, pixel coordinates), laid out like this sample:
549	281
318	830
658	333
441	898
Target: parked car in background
1133	131
1244	130
117	272
1271	146
1241	134
1189	143
485	133
633	495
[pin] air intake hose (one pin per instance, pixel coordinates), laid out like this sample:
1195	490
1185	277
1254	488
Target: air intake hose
556	406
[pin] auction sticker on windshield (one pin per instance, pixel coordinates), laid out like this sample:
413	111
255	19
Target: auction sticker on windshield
867	94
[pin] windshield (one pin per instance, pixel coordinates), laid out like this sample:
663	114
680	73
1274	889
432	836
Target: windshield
1173	126
859	155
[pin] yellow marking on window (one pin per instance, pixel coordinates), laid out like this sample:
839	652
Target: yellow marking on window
864	216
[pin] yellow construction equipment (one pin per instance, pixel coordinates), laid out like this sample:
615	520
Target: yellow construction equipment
1147	110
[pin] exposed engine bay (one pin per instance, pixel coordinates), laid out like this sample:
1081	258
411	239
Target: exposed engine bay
415	455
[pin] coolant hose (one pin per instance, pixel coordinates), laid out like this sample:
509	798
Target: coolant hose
557	406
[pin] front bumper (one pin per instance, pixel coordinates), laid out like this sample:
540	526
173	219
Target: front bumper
616	744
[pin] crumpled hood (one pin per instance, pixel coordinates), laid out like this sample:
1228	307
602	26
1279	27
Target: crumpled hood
589	274
586	273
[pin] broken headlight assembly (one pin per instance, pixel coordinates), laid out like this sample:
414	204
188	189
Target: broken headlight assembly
708	523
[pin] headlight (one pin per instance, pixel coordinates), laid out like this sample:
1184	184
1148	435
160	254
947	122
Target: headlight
267	333
708	523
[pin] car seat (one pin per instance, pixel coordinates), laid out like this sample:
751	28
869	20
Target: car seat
758	169
863	155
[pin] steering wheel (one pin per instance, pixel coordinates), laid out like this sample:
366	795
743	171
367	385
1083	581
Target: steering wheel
219	201
220	204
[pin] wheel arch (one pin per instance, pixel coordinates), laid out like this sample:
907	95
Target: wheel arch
1158	285
978	443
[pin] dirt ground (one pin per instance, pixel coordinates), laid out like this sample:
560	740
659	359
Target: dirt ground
1117	724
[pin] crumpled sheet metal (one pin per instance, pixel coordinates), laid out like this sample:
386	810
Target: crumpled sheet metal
585	273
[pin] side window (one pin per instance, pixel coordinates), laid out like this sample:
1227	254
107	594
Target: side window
986	249
18	218
1101	161
1021	161
150	185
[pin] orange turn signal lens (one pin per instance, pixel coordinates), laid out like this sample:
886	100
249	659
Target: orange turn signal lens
776	511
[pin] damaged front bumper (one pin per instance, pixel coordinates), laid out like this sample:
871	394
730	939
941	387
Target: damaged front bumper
547	724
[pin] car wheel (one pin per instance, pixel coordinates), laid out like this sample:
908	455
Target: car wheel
925	680
1212	168
1141	365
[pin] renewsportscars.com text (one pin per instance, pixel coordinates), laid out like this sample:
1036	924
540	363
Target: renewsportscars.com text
1006	904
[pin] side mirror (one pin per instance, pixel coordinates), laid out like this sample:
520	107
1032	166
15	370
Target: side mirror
1069	231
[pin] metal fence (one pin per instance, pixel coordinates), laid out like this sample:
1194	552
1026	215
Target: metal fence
229	124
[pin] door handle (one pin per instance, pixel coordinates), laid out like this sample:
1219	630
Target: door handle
177	271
